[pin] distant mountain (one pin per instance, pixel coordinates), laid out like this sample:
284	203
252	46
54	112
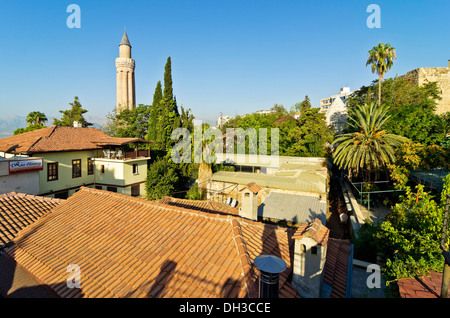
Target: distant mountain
11	123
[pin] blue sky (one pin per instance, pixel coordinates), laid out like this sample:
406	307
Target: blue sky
228	56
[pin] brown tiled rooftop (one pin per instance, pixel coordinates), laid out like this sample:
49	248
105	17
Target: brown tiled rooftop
421	287
315	230
253	187
19	210
200	205
131	247
60	138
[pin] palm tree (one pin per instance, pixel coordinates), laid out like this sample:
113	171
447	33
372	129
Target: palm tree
381	58
36	118
369	148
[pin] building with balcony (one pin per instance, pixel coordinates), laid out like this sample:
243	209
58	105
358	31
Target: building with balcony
76	156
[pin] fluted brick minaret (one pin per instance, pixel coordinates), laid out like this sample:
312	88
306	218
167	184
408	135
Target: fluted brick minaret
126	95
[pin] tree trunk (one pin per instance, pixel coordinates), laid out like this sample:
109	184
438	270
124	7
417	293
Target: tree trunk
204	175
379	89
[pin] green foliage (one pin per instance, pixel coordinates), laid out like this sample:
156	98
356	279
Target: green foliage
307	136
168	89
162	178
365	245
194	193
411	108
409	238
36	118
29	128
75	113
368	147
303	106
133	122
381	59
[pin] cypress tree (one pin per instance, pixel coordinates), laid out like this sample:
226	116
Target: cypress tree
157	96
168	90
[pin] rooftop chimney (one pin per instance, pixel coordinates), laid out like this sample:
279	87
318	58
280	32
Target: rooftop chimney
249	199
310	252
270	268
77	124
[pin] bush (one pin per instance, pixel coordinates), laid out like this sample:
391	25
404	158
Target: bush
162	178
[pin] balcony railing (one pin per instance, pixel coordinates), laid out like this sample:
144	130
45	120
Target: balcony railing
119	155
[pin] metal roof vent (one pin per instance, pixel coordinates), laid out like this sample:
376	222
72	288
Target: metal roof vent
270	268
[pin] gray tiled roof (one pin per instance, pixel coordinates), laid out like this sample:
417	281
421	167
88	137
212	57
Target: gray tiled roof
302	181
293	207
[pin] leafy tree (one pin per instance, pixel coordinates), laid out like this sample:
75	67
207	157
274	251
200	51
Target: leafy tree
303	106
412	109
168	89
409	238
369	147
381	58
162	178
75	113
310	137
158	95
36	118
133	122
29	128
194	193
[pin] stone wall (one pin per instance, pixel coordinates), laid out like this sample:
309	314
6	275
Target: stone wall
441	75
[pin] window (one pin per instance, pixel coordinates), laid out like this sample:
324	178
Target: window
135	168
99	187
76	168
90	166
314	250
112	189
62	195
102	168
52	171
135	190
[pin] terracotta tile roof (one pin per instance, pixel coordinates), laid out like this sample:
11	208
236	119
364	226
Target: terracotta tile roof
131	247
421	287
59	138
200	205
336	266
253	187
314	230
19	210
25	140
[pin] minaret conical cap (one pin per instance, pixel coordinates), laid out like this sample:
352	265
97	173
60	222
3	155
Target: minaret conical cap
125	40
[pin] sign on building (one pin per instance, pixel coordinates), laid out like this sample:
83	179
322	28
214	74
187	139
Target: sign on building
26	165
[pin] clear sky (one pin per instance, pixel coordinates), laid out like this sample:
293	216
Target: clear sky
228	56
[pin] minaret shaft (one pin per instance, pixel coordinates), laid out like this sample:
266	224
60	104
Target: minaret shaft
125	65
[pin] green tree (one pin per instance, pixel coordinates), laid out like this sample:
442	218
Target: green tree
75	113
303	106
162	178
168	89
409	238
381	60
310	137
369	147
411	109
29	128
158	95
36	118
133	122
